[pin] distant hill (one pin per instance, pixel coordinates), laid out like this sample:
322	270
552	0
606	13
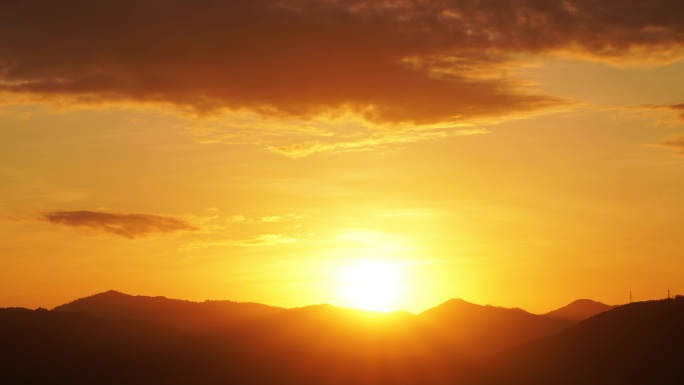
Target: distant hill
455	325
579	310
207	316
323	344
488	329
635	344
640	343
48	347
41	347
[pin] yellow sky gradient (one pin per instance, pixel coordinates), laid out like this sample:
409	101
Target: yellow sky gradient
514	172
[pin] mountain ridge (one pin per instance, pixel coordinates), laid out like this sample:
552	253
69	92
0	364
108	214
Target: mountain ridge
183	314
638	343
475	329
489	329
635	344
112	293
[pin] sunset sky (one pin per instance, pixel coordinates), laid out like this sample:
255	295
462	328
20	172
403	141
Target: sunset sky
516	153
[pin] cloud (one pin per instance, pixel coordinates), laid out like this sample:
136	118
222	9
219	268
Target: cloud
387	61
257	240
125	225
267	240
669	115
677	109
368	142
238	218
241	230
279	218
674	142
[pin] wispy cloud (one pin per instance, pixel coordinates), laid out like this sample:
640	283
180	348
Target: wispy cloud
125	225
257	240
674	143
279	218
369	142
674	109
239	230
267	239
672	115
239	218
677	109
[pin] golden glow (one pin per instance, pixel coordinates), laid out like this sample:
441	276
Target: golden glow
209	206
372	285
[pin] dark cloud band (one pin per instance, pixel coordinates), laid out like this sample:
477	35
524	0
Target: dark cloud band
388	61
125	225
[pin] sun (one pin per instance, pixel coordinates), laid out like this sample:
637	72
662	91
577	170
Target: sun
371	285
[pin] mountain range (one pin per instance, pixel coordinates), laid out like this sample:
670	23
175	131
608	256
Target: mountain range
115	338
474	329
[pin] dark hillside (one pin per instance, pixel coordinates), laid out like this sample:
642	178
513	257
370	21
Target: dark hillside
484	330
41	347
639	343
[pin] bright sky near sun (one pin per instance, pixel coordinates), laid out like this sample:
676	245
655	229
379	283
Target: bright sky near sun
374	154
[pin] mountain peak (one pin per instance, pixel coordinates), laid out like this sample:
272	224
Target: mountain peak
106	297
488	329
112	293
458	304
456	301
187	315
579	310
584	301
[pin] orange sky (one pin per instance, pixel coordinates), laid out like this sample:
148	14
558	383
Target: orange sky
524	155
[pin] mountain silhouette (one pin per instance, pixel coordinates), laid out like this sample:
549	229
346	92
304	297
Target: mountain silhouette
331	346
128	343
323	344
313	344
207	316
579	310
455	325
42	347
639	343
488	329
